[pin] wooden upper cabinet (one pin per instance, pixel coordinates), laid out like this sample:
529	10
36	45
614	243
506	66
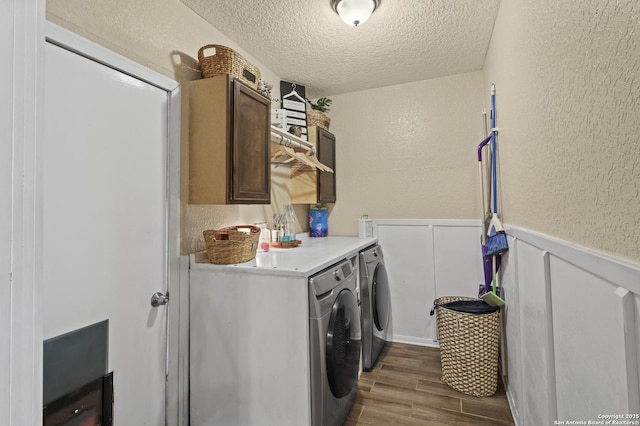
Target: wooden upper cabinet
313	187
326	145
229	143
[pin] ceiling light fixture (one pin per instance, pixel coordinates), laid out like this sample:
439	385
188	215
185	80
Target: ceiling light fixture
354	12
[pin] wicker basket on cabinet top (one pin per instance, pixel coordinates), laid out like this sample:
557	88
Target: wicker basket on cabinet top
225	60
317	118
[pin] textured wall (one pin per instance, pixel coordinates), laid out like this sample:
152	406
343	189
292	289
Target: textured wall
408	151
568	109
163	35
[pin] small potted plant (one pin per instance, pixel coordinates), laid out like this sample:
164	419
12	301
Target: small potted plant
316	115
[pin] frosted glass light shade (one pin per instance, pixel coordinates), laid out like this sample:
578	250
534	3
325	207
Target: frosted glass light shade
354	12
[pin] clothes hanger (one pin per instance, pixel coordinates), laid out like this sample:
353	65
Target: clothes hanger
280	152
311	160
312	157
299	156
290	156
294	93
308	158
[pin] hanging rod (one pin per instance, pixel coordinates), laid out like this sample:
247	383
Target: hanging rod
283	138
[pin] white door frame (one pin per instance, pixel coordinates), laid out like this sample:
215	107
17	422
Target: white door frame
22	46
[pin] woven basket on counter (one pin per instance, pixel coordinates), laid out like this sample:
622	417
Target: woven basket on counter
225	60
469	346
317	118
228	245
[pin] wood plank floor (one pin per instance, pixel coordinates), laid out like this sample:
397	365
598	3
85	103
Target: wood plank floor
405	388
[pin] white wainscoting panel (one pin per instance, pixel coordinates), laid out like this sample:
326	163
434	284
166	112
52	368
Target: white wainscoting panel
637	324
627	322
587	343
510	349
426	259
572	337
408	257
538	395
458	260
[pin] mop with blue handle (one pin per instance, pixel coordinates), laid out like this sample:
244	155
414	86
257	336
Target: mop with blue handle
496	237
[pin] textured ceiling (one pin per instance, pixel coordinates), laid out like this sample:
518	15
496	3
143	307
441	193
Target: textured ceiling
305	42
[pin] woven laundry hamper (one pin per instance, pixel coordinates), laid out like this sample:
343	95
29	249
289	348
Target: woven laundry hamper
469	346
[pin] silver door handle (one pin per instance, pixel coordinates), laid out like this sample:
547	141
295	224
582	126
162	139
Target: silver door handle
159	299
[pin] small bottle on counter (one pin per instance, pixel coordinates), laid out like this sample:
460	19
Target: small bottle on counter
264	239
365	227
275	234
289	234
276	231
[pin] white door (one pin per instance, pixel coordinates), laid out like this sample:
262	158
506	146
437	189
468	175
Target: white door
105	221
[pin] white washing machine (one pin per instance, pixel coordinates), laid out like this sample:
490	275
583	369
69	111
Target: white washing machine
335	342
375	302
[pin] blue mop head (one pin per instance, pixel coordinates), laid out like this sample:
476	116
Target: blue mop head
497	244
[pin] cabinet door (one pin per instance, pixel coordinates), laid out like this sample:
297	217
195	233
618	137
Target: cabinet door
327	156
250	171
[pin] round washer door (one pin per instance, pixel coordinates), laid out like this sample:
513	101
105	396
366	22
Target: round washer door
380	297
343	345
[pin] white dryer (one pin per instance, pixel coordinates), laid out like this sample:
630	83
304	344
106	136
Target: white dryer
375	302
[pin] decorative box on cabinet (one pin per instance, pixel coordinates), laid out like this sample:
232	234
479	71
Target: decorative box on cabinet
229	143
312	187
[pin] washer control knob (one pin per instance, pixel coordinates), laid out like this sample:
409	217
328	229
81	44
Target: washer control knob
336	275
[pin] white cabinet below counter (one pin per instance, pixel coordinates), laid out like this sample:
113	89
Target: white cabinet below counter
249	334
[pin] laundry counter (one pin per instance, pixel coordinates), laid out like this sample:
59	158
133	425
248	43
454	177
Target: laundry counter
311	256
249	333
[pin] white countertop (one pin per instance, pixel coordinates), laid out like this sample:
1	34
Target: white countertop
311	256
